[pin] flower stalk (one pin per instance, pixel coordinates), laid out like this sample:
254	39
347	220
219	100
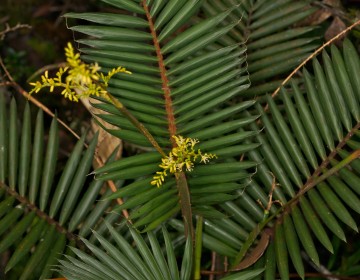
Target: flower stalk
83	81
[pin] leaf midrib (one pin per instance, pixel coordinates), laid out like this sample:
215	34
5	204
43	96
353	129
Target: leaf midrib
163	73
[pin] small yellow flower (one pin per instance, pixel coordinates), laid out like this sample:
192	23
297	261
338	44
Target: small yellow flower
183	155
83	77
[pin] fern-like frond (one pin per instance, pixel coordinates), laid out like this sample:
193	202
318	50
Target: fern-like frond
122	260
275	45
309	158
143	258
175	89
43	206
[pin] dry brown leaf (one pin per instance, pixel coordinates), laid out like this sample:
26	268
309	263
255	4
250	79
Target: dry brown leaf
106	142
328	8
335	28
316	18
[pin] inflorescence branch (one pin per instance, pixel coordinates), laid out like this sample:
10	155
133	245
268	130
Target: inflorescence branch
183	155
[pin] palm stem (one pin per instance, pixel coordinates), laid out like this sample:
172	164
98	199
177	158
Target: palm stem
198	247
181	180
185	203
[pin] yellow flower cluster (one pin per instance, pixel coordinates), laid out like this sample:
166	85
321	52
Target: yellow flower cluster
82	79
183	155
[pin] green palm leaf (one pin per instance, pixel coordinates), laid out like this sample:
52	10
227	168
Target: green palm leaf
145	259
191	77
175	89
123	261
274	45
310	153
40	203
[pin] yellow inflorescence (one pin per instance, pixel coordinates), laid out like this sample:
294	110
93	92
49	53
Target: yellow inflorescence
182	156
82	79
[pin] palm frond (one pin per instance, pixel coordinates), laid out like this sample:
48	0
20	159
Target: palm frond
145	259
42	205
124	261
177	76
308	156
275	45
287	170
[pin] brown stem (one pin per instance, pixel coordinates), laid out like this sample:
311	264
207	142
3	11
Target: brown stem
185	204
4	84
46	68
9	29
41	214
165	81
315	181
309	182
315	53
181	181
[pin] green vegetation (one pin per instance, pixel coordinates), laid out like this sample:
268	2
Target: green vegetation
219	80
